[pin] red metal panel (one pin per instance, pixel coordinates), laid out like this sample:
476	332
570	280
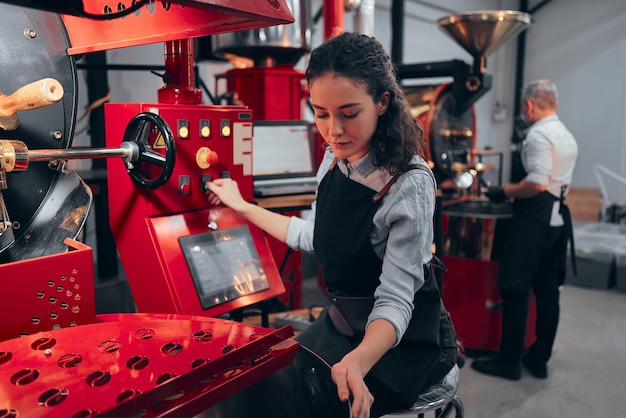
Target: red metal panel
50	292
161	21
470	294
137	364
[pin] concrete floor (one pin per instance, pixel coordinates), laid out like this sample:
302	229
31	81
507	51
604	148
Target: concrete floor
586	373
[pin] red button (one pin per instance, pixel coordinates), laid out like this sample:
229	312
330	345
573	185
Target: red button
211	157
185	188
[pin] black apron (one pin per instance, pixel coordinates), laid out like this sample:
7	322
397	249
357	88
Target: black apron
531	237
351	270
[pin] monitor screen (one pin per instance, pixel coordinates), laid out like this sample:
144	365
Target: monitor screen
224	265
281	149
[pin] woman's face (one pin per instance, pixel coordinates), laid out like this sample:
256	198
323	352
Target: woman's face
345	115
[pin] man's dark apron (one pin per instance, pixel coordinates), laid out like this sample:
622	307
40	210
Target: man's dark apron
351	271
530	237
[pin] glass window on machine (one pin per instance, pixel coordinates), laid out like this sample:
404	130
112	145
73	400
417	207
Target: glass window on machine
224	265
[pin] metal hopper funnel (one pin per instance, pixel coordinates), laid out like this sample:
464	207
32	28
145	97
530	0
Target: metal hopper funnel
482	32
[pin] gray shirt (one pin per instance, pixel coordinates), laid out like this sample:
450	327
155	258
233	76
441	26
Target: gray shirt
402	234
549	154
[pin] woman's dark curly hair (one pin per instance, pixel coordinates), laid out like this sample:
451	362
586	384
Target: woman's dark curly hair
363	59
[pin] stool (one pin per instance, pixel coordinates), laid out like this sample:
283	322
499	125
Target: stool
440	399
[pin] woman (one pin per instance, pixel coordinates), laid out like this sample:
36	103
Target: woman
386	335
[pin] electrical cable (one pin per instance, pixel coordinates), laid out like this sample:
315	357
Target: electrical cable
118	14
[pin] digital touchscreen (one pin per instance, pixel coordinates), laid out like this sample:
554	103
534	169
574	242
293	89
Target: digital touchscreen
224	265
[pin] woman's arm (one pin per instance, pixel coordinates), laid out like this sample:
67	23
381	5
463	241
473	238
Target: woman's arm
349	373
226	191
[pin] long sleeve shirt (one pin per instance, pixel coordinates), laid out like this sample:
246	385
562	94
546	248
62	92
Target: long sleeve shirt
402	234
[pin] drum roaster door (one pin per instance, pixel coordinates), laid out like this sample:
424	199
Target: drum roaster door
473	237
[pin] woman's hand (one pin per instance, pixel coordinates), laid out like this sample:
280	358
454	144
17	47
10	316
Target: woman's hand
226	191
348	376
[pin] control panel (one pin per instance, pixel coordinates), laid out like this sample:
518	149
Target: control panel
198	258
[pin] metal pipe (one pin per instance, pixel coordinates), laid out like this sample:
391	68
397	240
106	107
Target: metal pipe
77	154
15	155
364	17
397	35
333	11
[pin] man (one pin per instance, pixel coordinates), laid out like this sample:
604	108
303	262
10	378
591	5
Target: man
534	251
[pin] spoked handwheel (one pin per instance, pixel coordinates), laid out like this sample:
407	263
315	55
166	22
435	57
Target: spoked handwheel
143	130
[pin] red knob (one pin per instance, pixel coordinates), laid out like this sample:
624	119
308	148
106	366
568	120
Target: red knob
211	157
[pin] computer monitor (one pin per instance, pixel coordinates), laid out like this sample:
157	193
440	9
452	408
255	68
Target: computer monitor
282	149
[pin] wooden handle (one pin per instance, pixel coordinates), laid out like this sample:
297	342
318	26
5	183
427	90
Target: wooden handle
38	94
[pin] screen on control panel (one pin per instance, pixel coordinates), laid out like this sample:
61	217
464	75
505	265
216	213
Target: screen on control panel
224	265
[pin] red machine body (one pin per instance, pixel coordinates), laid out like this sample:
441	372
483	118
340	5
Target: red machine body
54	291
274	93
211	141
174	359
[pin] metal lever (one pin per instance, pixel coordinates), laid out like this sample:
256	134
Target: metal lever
15	156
